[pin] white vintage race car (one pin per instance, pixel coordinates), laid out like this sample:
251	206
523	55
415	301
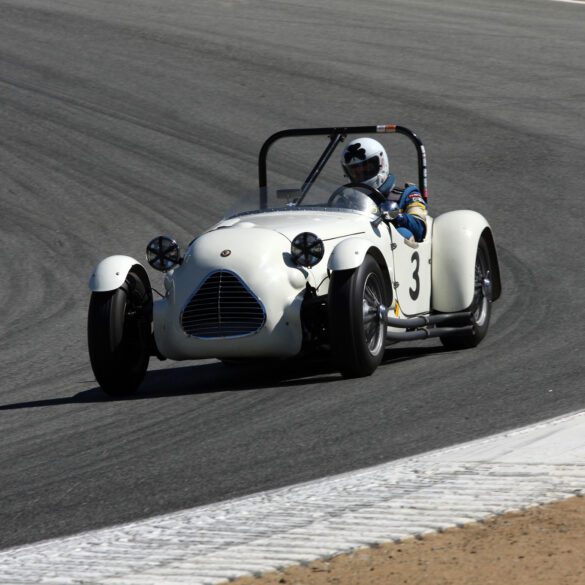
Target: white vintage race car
297	274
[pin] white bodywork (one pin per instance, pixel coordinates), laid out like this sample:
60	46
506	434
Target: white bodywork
436	274
259	246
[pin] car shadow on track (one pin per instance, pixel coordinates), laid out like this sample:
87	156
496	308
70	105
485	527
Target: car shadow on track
209	378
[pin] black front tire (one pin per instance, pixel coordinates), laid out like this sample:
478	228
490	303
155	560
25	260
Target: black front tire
356	334
481	306
118	335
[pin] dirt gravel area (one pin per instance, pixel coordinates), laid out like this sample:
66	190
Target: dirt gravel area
544	545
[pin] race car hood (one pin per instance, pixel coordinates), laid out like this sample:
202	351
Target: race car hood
325	224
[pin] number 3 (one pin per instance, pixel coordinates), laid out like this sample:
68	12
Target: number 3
414	293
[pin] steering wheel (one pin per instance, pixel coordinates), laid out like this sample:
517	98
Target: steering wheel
375	194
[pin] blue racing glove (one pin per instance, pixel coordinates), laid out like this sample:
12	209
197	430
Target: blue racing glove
409	195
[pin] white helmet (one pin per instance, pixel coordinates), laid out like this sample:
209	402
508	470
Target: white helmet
364	160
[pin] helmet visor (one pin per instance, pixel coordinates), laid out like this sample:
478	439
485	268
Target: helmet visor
363	171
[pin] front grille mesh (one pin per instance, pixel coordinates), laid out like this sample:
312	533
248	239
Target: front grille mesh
222	307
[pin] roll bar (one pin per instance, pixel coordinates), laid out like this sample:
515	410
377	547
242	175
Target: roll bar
337	135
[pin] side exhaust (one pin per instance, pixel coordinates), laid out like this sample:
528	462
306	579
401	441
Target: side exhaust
425	326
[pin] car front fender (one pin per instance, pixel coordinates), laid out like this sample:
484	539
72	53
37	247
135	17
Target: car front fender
348	254
111	273
456	235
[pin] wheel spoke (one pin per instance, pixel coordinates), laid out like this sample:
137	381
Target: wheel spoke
371	318
373	327
371	295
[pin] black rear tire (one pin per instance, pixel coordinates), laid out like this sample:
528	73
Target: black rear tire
118	335
481	306
356	334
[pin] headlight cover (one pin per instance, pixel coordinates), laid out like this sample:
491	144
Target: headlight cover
163	253
307	249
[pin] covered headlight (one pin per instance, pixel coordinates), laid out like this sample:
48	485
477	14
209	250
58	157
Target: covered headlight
163	253
307	249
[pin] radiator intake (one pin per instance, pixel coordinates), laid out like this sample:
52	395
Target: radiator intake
223	306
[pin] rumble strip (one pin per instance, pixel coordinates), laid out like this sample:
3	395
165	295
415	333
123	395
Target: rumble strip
254	534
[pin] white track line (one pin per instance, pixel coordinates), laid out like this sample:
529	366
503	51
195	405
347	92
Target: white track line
571	1
410	497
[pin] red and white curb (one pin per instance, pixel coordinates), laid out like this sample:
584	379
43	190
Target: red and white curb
266	531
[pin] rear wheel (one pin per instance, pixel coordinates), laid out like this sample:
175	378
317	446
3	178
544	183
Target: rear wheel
357	334
118	335
481	306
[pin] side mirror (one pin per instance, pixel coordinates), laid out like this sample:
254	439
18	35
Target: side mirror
390	209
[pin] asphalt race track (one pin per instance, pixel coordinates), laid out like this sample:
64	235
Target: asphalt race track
123	120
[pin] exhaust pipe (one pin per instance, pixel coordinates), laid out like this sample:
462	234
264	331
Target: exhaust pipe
461	318
427	333
425	326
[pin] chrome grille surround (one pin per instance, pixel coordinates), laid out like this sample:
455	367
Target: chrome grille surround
223	307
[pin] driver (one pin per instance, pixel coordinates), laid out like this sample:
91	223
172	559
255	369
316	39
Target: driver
365	161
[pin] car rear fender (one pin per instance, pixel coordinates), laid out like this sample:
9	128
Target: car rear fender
111	273
454	247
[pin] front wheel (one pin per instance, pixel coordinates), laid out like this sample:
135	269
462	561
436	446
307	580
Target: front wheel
118	335
357	334
481	306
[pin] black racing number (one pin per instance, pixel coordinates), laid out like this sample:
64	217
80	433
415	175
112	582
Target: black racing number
414	293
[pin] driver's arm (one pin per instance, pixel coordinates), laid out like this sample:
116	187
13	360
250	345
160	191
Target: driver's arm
414	213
